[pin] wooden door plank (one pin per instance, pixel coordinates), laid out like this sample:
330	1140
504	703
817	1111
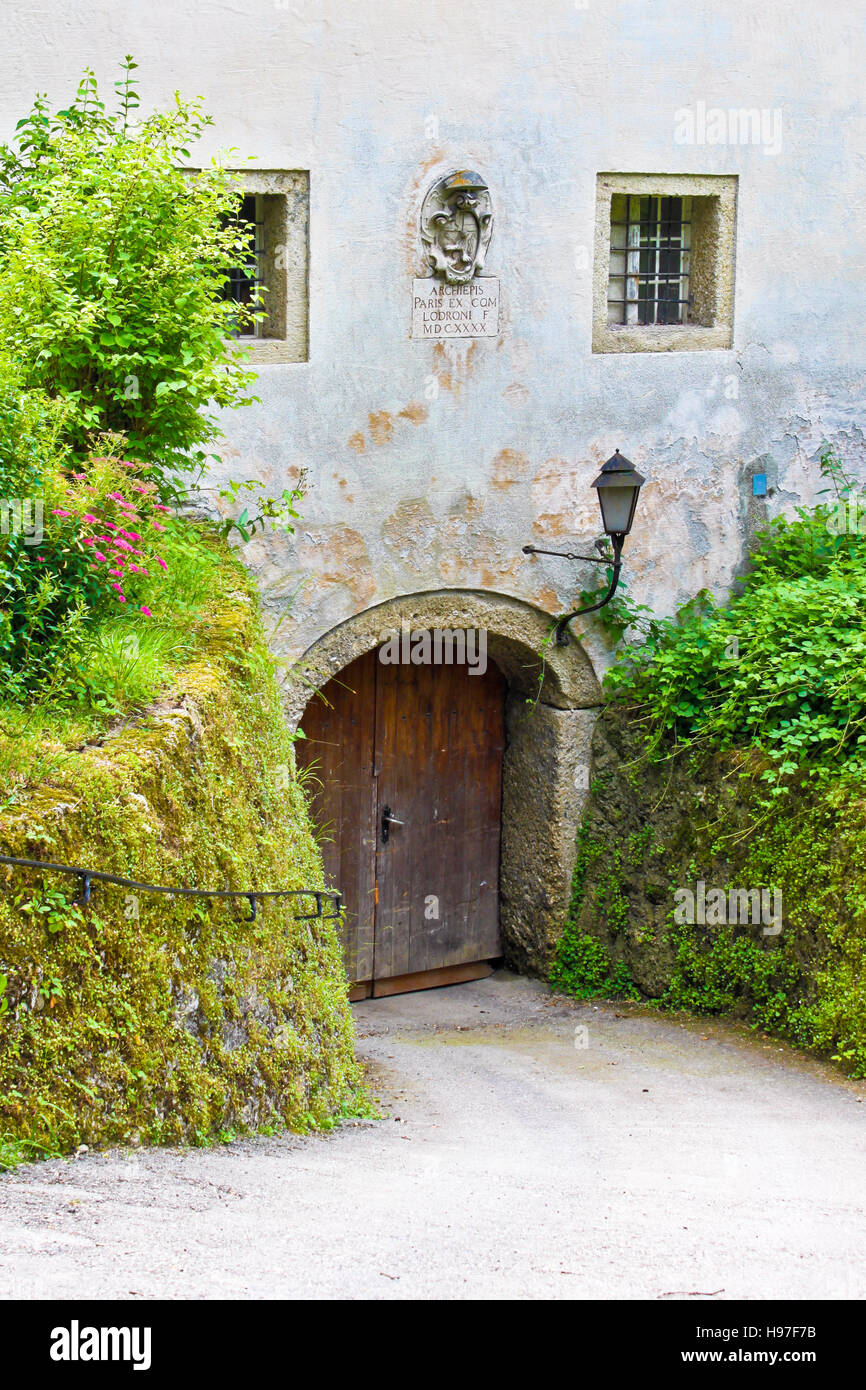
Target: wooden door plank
338	724
440	734
391	956
432	979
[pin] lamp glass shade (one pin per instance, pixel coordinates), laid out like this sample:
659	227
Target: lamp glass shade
618	485
617	508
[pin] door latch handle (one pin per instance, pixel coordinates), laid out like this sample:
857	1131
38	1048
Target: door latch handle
387	821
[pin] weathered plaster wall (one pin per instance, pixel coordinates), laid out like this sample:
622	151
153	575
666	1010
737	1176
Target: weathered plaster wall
431	466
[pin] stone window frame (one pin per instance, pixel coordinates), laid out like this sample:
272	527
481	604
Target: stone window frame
714	213
283	204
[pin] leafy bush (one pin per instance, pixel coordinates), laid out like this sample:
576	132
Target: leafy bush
31	430
721	704
113	266
116	346
584	969
780	668
97	539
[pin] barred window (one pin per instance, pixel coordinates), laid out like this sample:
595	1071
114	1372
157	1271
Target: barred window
663	271
242	279
275	210
650	253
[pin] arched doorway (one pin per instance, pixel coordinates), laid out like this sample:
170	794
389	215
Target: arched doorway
408	759
550	707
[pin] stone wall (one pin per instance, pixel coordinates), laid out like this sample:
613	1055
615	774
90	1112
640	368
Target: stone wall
695	888
650	829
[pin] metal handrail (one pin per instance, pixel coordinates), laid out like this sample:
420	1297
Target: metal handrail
251	895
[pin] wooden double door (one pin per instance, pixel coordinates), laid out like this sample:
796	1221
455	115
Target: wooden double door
409	765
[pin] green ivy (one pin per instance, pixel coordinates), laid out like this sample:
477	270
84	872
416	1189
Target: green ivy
740	734
779	668
584	967
732	974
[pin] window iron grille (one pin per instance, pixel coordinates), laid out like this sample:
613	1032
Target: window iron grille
649	260
242	279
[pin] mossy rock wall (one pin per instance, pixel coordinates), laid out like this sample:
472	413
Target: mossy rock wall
652	828
151	1019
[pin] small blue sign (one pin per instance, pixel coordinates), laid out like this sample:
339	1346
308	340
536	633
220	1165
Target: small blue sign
759	484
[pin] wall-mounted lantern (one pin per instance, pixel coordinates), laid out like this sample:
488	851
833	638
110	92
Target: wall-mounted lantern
618	485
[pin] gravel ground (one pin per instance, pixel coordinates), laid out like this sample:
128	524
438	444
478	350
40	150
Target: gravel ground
658	1160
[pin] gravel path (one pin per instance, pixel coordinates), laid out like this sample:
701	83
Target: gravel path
659	1160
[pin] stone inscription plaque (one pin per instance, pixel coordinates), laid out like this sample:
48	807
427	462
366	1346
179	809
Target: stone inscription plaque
442	311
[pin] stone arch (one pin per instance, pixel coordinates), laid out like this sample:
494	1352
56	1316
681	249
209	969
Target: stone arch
551	709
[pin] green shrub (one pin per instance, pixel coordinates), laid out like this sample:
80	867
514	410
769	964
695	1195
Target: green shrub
764	692
116	349
779	668
112	270
104	544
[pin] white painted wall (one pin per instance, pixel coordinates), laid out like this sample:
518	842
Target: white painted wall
539	98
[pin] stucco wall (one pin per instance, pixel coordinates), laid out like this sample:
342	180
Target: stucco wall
431	466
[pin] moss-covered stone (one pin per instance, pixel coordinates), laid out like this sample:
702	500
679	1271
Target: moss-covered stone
652	828
152	1019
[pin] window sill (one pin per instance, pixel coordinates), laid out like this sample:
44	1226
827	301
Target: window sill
674	337
266	351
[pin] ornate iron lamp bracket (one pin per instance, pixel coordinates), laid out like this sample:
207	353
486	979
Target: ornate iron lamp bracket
560	634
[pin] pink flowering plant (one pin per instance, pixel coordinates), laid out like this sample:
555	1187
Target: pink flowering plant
108	533
98	544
